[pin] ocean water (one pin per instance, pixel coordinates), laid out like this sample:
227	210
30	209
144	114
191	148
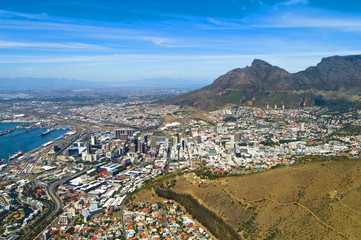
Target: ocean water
27	141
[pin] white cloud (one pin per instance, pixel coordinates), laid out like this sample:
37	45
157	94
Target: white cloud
83	28
274	34
294	2
302	21
288	19
119	58
70	45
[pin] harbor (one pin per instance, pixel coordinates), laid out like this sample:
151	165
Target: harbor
25	139
47	132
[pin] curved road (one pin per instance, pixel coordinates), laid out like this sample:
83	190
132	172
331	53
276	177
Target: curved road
54	196
51	191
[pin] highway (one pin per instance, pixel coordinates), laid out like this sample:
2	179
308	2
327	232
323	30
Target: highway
51	191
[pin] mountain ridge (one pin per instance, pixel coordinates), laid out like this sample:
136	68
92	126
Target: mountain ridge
263	84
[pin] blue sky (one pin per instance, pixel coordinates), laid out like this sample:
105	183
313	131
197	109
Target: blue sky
190	39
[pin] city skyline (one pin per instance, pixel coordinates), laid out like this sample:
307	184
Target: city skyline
93	41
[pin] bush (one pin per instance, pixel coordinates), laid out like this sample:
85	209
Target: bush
208	218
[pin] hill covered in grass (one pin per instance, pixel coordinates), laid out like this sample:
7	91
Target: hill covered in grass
311	200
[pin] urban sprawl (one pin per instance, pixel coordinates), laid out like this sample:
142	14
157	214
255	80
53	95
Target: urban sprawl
80	185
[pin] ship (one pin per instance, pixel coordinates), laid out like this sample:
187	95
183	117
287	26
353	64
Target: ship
4	132
16	155
26	130
47	132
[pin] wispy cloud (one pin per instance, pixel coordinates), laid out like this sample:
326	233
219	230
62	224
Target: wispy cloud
313	18
288	14
84	28
70	45
20	15
118	58
288	21
291	34
293	2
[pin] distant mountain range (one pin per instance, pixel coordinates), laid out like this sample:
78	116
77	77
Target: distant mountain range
336	78
27	83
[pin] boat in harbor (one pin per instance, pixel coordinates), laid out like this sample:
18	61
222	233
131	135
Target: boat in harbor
4	132
16	155
26	130
47	132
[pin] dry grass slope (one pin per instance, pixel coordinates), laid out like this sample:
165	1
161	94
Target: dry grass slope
315	200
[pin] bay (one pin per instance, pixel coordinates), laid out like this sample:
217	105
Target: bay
19	140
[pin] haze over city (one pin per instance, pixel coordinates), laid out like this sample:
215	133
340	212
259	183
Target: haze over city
122	41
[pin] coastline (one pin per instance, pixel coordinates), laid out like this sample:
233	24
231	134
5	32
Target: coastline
25	141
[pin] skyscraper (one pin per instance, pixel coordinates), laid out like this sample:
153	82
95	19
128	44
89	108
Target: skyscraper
93	140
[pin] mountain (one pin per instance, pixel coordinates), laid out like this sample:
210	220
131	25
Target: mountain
261	84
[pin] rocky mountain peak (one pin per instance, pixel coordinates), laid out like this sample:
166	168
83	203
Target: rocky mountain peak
262	84
258	63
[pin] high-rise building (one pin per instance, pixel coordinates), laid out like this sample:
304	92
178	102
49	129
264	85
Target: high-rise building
184	143
106	147
153	142
135	141
87	145
174	140
93	140
237	136
132	148
121	132
142	147
121	151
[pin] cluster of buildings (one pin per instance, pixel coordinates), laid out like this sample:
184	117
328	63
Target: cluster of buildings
118	162
242	139
10	204
97	194
137	114
164	221
5	203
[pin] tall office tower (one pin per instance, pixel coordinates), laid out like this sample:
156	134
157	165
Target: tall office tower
174	140
93	140
184	143
121	151
132	148
146	139
107	147
87	145
141	147
153	142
